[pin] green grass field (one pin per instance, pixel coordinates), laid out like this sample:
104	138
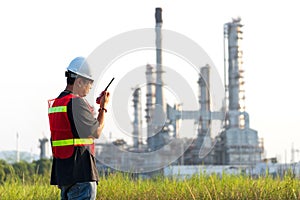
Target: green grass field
118	186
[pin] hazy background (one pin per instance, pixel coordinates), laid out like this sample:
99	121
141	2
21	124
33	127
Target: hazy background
38	39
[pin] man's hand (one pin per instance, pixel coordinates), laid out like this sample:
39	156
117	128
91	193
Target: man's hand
104	99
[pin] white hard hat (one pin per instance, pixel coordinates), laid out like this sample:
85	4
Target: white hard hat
80	67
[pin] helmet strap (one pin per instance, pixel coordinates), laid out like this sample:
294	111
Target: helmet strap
70	74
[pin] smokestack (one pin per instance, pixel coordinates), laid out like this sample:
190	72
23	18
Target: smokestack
158	18
157	136
159	96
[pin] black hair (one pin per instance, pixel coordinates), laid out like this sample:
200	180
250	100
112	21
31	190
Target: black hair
71	77
70	81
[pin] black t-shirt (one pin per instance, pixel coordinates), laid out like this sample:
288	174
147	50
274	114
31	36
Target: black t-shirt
81	166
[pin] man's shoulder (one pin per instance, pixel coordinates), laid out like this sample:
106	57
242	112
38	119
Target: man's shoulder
63	94
79	103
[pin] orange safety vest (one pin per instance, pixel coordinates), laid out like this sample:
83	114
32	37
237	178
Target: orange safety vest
62	138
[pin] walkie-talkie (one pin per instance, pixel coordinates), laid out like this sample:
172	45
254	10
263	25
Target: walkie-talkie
98	98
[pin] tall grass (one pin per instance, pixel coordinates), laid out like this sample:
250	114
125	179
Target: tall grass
36	188
119	186
200	187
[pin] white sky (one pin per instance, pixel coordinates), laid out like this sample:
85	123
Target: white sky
38	39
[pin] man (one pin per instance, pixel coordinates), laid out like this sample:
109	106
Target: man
73	130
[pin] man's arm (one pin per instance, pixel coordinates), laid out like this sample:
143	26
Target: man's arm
84	121
101	115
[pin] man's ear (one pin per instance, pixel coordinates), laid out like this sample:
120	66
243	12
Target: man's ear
78	82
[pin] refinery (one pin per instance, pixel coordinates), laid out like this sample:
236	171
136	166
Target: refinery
237	144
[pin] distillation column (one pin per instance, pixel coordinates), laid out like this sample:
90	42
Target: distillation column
233	34
203	142
150	100
204	100
238	144
137	122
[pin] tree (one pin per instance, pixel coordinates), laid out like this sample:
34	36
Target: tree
43	166
6	171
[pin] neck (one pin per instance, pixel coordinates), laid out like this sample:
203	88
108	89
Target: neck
69	88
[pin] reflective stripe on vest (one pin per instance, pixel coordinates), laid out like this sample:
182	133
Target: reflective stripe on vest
57	109
75	142
62	137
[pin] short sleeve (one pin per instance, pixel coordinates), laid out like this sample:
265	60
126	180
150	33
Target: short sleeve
84	121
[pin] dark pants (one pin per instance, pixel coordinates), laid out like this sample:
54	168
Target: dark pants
79	191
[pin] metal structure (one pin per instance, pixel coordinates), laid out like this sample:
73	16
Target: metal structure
150	100
201	149
43	145
159	94
158	134
137	122
237	144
